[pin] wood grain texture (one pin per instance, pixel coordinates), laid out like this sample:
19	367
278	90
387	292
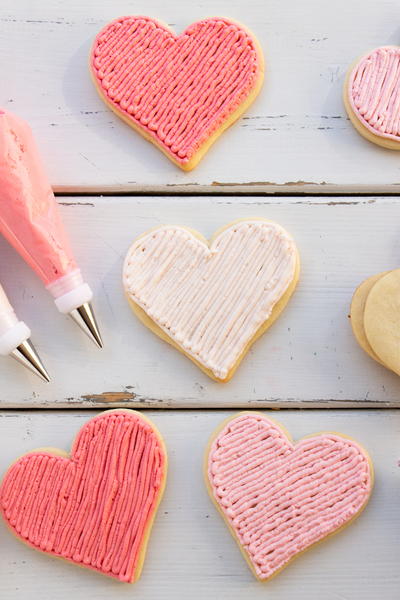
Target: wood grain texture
308	358
191	553
296	137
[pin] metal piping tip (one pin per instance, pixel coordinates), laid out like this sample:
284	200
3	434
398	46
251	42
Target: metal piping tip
26	354
84	317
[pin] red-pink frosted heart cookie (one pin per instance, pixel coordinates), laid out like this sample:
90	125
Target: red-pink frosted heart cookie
280	498
179	91
372	96
96	507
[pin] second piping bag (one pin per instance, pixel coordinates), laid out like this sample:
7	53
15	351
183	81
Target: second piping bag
30	221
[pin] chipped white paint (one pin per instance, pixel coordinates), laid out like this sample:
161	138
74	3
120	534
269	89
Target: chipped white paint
191	553
308	358
295	137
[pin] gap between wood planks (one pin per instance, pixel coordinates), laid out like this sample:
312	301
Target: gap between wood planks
264	199
134	401
251	189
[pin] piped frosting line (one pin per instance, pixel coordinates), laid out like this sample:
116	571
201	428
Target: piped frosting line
211	300
374	91
281	498
92	509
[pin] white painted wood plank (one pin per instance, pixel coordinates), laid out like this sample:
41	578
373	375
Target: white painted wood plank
308	358
191	553
295	137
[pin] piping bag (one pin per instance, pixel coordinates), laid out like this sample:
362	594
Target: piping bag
14	339
30	221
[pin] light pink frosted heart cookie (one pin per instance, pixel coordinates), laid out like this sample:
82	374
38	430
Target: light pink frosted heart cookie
96	507
372	96
179	91
212	300
280	498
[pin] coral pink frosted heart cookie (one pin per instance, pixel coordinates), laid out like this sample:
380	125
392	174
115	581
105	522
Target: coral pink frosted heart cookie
279	498
212	300
372	96
179	91
95	507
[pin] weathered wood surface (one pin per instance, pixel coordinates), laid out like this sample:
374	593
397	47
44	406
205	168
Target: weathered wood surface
295	138
309	358
191	553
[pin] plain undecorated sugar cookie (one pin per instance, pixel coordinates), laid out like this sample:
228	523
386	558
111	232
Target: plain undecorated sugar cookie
212	300
357	310
375	317
279	498
179	91
382	319
372	96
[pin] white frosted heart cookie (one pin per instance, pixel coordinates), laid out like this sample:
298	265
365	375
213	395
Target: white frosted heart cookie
372	96
212	300
279	498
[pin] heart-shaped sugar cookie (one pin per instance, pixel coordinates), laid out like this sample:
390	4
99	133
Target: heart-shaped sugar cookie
212	301
179	92
372	96
280	498
96	507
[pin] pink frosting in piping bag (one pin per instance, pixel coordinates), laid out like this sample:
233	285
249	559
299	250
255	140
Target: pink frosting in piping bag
29	216
30	221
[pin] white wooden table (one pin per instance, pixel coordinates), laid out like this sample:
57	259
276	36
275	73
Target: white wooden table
294	158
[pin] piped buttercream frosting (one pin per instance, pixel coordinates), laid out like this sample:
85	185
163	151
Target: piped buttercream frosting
374	91
177	89
280	498
211	299
93	508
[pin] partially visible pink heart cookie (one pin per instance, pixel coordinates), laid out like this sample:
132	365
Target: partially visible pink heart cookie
179	92
372	96
96	507
280	498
